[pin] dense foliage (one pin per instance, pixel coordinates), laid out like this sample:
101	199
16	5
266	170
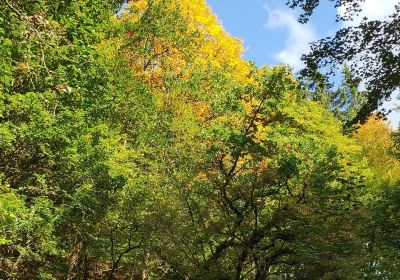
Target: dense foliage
136	143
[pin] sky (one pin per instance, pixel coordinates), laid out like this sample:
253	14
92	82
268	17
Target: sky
272	35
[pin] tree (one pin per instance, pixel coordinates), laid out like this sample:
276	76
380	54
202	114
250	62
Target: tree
54	97
380	199
345	101
371	50
141	145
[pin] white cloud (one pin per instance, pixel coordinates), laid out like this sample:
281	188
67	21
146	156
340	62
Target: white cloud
299	36
372	9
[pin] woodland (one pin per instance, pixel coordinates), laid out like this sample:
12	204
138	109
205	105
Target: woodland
137	143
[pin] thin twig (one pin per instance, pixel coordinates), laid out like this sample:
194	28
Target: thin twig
13	9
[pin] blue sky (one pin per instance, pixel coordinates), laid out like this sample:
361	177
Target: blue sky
270	30
272	35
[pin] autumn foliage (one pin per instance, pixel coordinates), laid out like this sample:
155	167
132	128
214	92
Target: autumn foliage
137	143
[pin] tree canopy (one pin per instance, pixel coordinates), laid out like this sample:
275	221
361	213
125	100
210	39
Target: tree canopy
371	49
137	143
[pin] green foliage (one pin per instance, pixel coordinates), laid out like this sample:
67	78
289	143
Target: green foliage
370	50
345	101
141	145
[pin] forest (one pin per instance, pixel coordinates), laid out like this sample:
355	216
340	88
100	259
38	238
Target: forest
136	142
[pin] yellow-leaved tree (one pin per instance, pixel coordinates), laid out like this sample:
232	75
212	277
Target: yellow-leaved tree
375	136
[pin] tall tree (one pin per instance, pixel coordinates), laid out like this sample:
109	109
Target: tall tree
380	199
140	144
371	49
